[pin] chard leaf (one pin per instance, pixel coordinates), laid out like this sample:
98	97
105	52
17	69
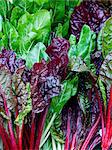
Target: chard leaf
56	131
19	88
4	116
42	25
3	8
79	53
65	28
33	27
69	90
14	41
86	44
41	2
107	37
79	65
83	102
5	81
105	73
1	20
99	41
25	31
36	54
59	10
103	92
16	13
26	110
59	30
7	26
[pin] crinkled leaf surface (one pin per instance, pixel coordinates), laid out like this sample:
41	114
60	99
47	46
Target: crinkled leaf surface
107	37
6	81
103	91
19	88
26	110
106	70
44	86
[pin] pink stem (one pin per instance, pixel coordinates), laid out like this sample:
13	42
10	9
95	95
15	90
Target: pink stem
90	135
101	112
67	141
32	134
108	124
17	127
40	127
20	136
73	144
5	138
14	145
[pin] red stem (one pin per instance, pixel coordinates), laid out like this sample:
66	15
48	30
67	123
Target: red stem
96	141
101	112
73	144
5	138
26	138
32	134
14	145
67	141
40	127
108	124
108	135
90	135
17	127
20	136
25	144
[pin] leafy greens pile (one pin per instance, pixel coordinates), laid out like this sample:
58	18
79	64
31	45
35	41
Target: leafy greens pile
55	75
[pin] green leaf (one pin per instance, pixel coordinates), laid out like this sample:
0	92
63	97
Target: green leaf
14	43
105	73
86	44
4	41
33	27
42	25
103	92
83	102
3	8
59	10
107	37
65	28
41	2
17	12
99	41
59	30
56	131
6	27
79	53
10	36
73	3
1	20
69	90
25	32
78	65
72	50
36	54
